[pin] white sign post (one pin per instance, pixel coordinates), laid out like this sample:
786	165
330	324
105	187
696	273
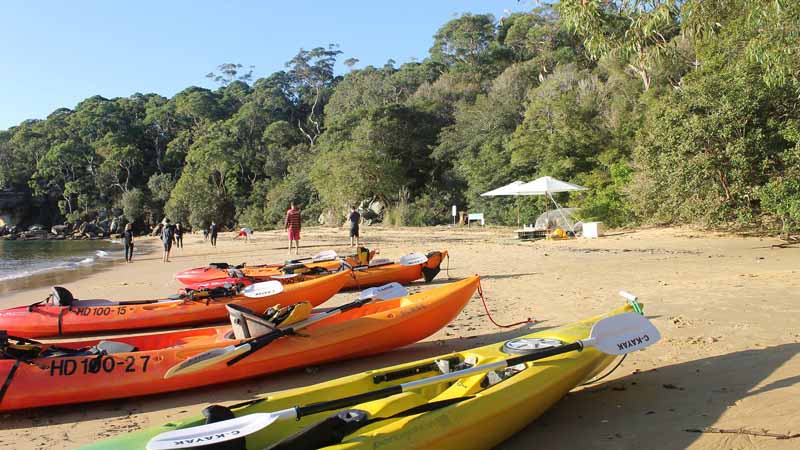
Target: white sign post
455	212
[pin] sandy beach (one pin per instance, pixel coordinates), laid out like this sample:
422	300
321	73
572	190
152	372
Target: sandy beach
727	307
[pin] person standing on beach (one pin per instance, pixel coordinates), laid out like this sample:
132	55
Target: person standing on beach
292	226
127	241
178	235
354	219
212	233
167	237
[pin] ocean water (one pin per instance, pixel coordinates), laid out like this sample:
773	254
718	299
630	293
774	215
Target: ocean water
23	259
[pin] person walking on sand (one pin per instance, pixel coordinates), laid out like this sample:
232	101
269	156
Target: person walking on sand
127	241
292	226
212	233
354	219
167	237
178	235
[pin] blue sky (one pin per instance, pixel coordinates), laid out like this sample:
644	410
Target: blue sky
57	53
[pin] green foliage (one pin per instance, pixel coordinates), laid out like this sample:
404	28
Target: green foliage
464	40
160	186
347	176
781	197
606	199
638	33
133	203
702	155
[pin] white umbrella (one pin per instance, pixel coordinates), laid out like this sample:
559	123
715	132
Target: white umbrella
547	186
509	189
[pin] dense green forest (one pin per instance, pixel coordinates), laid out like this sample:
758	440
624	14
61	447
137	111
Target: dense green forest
669	111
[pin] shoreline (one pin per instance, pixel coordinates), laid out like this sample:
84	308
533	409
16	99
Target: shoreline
725	305
56	275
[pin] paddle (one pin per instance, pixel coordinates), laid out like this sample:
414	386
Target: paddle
413	259
235	353
325	255
615	335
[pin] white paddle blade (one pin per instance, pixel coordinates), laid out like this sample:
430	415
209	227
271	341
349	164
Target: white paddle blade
628	296
214	433
413	259
385	292
327	255
263	289
623	333
206	359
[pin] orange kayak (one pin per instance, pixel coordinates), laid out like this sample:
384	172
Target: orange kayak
97	316
136	365
378	272
216	271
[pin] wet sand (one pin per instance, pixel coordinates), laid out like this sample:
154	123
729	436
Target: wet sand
727	307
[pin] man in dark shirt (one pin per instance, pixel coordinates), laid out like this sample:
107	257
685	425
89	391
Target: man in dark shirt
178	235
212	232
167	237
127	241
353	220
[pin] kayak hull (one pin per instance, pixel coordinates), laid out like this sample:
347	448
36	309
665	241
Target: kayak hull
481	417
102	316
375	327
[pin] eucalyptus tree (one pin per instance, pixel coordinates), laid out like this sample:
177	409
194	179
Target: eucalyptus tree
638	32
312	79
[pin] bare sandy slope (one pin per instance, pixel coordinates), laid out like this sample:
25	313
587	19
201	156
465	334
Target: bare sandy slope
727	308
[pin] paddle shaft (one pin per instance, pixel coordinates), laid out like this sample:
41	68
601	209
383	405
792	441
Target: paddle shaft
315	408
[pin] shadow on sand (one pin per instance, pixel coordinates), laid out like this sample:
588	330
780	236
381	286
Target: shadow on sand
651	409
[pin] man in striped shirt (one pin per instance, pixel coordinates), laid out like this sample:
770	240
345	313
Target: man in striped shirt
292	225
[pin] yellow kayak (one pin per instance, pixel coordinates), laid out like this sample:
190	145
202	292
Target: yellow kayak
474	412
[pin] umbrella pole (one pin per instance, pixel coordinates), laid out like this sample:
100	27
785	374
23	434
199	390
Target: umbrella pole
567	221
547	214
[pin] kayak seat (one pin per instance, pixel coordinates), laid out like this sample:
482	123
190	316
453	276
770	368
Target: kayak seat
246	323
112	347
62	296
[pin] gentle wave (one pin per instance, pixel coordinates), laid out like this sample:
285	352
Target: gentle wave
25	260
